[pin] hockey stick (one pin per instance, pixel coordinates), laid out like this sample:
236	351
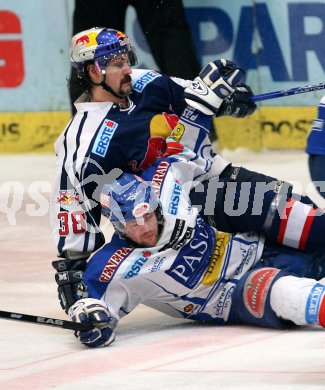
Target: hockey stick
288	92
7	315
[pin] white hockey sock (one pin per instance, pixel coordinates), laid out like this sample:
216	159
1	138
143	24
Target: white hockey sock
299	300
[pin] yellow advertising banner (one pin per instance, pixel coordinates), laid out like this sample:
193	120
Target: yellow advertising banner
31	132
268	128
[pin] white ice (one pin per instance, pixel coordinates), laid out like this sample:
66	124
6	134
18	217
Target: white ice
151	351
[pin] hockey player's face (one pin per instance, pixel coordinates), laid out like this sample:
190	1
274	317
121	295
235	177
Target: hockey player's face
143	231
118	75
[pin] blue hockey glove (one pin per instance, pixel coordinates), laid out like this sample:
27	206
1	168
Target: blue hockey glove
93	311
216	81
238	104
69	280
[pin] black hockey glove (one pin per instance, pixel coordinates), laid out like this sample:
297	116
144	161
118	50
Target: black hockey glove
216	81
69	280
238	104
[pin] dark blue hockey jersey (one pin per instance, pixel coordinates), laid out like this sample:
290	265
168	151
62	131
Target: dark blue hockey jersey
102	136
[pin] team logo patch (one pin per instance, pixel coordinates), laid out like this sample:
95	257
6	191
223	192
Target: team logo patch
67	198
256	289
145	80
199	87
104	137
189	308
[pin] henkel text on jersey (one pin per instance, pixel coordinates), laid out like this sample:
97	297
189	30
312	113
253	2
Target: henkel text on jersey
104	137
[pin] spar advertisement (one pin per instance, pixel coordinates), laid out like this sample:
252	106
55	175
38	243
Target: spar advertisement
279	44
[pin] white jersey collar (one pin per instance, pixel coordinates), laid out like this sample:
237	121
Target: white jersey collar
82	104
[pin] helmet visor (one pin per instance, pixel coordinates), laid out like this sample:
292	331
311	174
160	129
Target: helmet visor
115	62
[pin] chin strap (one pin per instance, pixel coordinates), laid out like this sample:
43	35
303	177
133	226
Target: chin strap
107	87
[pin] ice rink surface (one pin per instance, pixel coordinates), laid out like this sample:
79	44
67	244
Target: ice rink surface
151	351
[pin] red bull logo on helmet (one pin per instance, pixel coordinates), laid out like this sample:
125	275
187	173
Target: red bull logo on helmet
120	34
123	39
82	40
87	39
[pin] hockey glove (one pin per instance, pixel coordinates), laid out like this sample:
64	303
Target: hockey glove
238	104
216	81
69	280
93	311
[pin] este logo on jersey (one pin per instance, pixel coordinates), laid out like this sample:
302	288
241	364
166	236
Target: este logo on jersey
174	199
104	137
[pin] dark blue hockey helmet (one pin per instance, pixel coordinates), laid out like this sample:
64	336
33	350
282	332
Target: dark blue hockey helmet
127	198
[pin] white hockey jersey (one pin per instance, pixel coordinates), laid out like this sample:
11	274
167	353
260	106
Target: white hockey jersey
193	269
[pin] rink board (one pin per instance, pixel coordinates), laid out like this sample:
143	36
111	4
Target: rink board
32	132
269	127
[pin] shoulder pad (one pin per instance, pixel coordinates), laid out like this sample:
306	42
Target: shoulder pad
142	77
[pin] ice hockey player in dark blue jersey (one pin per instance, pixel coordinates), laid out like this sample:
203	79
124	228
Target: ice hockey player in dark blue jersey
122	121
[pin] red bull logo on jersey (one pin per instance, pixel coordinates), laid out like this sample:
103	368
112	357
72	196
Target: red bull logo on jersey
155	149
104	137
178	132
174	148
67	198
113	263
163	124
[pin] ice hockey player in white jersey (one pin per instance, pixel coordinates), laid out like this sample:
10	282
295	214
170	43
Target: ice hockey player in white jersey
165	256
119	125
